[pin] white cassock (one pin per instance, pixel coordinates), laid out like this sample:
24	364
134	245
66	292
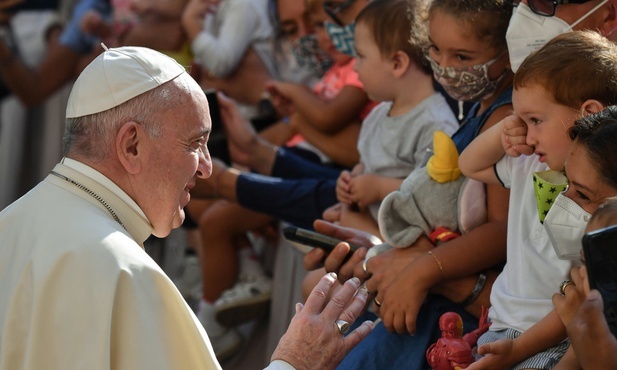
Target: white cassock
77	289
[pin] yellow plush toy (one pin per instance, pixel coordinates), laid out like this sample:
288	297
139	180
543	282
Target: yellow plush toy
435	200
443	165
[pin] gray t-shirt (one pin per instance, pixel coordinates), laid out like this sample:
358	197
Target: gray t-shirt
395	146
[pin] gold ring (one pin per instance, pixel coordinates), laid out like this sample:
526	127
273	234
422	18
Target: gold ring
364	267
563	285
377	303
342	326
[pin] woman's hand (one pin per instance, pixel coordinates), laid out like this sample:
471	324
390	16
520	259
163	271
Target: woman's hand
398	280
568	305
335	261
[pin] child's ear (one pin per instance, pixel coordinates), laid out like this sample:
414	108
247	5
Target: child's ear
400	63
591	106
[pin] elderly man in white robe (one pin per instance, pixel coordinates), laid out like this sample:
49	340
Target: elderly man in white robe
77	290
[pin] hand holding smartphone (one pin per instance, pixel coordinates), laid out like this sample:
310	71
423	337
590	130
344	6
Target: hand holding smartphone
315	239
600	249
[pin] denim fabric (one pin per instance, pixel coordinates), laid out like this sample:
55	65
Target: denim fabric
471	126
298	191
384	350
72	36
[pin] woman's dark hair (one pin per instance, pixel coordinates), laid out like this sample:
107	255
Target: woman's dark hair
598	134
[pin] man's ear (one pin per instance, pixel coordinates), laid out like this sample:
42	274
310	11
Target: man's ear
400	63
129	146
609	20
591	106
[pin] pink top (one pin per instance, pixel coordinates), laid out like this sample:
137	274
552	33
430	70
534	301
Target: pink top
331	84
336	78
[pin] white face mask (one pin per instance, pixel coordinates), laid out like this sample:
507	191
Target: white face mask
528	32
565	225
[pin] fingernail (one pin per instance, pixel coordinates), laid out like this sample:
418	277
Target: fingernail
593	295
332	275
363	293
299	307
355	280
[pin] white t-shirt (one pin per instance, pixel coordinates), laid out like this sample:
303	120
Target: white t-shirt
236	26
521	295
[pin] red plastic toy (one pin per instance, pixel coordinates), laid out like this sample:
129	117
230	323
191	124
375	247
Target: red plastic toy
453	350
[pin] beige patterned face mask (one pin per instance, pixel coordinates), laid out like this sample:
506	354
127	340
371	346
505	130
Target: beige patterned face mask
547	185
466	83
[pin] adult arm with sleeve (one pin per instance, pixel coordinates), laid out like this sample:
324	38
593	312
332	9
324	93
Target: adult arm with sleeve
220	54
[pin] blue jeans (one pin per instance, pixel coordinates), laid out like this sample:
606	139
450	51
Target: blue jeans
384	350
298	191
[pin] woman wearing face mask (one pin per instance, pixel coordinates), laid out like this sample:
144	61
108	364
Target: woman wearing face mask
592	171
462	38
592	178
524	332
535	22
341	27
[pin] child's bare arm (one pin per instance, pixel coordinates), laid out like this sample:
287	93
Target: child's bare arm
568	361
505	353
361	220
478	159
328	116
341	147
506	137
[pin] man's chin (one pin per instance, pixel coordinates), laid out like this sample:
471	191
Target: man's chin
178	219
175	223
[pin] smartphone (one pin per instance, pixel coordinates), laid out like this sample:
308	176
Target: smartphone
217	143
600	249
315	239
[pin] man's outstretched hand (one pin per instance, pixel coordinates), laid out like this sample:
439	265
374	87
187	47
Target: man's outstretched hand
313	340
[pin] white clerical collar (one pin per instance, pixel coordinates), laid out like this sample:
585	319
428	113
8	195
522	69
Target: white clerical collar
138	224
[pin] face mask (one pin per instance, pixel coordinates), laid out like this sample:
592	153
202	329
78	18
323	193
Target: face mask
308	54
565	225
342	37
466	83
528	32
